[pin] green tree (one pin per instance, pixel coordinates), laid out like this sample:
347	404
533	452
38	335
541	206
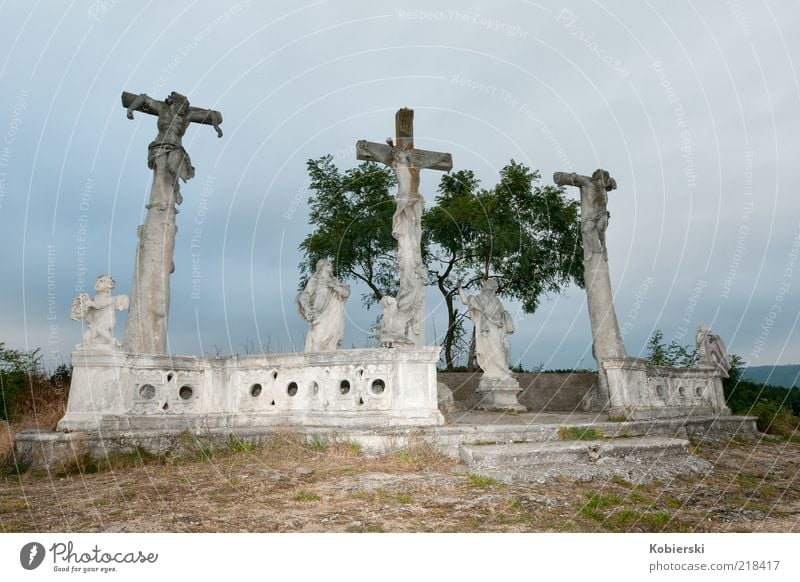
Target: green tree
352	217
674	354
524	235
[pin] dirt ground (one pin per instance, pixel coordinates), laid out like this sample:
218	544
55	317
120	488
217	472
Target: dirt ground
288	486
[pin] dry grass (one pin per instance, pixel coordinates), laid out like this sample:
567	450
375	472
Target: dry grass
43	413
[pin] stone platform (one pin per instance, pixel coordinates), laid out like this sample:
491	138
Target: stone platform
527	446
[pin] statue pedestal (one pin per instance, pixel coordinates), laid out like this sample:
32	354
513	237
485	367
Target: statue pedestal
499	394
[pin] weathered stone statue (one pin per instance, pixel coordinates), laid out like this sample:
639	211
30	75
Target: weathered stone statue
146	331
493	324
712	350
407	221
606	339
99	313
321	304
392	331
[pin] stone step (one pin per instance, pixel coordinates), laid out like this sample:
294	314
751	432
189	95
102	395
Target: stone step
637	459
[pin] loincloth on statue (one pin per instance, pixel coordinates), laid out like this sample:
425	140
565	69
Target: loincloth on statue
170	157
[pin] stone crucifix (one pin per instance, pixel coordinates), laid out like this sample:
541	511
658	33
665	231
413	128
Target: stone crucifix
606	339
146	330
407	223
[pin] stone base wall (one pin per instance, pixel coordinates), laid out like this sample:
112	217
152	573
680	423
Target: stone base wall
639	390
542	391
114	390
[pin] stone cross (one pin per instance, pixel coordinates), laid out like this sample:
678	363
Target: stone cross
146	330
606	339
406	161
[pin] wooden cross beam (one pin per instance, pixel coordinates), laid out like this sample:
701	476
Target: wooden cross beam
404	128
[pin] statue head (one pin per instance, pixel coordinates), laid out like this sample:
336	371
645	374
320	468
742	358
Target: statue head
605	179
324	267
179	103
490	285
104	283
388	304
703	328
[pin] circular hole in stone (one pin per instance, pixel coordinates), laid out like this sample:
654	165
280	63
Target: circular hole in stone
314	388
170	376
255	390
274	374
699	391
147	391
681	391
378	386
344	386
186	392
660	391
291	389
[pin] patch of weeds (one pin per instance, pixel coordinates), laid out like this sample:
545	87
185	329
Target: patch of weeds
639	498
484	443
13	469
625	519
474	480
617	480
421	455
355	448
237	445
304	495
374	528
403	498
318	443
577	433
617	419
671	502
657	521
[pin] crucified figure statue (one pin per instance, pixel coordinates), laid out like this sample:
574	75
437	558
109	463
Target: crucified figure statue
146	331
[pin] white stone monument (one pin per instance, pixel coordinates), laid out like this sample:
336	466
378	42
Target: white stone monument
406	161
493	324
321	304
146	330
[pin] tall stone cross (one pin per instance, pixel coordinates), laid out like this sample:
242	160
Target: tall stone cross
146	330
606	339
406	161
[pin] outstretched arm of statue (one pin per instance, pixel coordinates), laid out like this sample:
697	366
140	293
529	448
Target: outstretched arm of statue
140	102
571	179
207	117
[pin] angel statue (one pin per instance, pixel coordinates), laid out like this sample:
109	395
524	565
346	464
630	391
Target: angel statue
98	313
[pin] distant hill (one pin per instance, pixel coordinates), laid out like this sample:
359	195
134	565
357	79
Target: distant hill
786	376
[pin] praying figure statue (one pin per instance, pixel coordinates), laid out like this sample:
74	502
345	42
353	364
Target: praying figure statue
321	304
712	350
493	325
98	313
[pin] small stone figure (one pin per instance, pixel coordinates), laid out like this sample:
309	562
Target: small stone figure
321	304
493	325
712	350
392	331
98	313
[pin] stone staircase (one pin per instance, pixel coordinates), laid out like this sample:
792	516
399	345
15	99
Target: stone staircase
637	459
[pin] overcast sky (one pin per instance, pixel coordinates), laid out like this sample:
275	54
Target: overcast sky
693	108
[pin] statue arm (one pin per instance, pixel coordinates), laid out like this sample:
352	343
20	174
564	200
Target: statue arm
141	102
206	117
374	152
571	179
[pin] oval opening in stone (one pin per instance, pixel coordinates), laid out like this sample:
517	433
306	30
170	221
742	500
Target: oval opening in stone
378	386
255	390
344	386
699	391
682	391
147	391
660	391
315	388
291	389
170	376
274	374
186	392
